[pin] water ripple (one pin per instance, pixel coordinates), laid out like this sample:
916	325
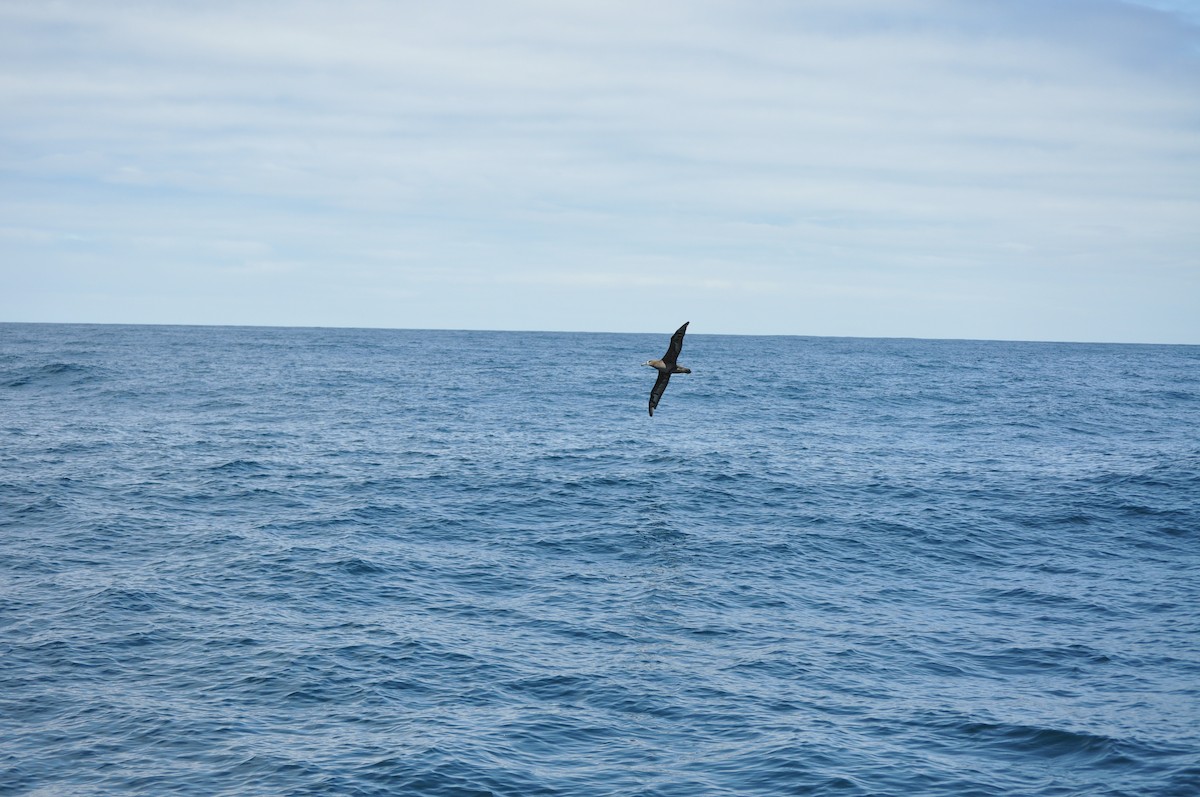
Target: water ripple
270	562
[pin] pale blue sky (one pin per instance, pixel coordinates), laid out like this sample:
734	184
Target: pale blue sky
1016	169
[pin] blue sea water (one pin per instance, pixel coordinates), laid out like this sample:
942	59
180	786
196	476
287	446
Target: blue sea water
368	562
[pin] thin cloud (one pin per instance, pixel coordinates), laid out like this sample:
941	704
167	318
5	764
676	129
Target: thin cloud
753	149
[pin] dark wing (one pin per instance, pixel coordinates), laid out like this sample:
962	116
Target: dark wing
676	346
656	392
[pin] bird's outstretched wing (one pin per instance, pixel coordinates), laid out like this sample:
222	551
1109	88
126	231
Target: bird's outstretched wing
676	346
656	392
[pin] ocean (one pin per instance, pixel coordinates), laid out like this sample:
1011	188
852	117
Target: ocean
263	561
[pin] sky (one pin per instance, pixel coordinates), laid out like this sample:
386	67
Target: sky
992	169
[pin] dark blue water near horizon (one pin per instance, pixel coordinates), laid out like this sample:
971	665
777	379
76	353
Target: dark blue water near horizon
370	562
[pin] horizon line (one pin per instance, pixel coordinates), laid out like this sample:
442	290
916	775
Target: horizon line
587	332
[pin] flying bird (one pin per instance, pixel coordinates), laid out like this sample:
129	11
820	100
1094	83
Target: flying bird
667	366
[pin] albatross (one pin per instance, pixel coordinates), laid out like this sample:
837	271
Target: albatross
667	366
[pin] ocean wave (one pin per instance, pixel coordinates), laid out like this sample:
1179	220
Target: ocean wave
50	375
260	562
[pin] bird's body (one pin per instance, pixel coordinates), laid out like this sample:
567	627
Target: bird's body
667	366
